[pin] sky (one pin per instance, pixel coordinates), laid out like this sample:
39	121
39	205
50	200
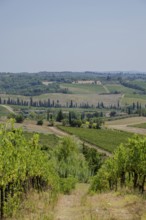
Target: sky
72	35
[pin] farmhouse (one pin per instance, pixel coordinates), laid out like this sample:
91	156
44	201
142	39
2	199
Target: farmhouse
87	82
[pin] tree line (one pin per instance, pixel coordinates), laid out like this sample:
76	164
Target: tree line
51	103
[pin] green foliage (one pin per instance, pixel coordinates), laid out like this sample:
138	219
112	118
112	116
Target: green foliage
93	158
19	118
4	111
59	117
22	166
46	141
11	115
76	123
99	123
83	88
51	122
70	161
126	168
26	84
67	184
65	122
40	122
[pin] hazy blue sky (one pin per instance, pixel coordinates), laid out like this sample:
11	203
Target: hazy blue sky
77	35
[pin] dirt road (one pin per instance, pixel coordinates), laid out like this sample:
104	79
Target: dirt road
123	125
79	205
71	207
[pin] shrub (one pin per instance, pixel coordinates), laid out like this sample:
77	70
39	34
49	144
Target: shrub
19	118
67	184
40	122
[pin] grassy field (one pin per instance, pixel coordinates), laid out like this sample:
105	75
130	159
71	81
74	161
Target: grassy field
136	96
120	88
107	99
128	100
142	125
103	138
92	99
80	205
46	140
3	111
83	88
140	83
91	94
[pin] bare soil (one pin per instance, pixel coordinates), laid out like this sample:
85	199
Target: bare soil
123	125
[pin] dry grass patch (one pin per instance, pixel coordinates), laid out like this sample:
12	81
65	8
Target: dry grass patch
81	206
111	206
127	121
37	206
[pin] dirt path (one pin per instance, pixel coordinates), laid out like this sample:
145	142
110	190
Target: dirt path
58	131
71	207
100	150
129	129
79	205
106	89
126	125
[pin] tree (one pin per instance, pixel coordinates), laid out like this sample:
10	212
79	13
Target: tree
19	118
112	113
40	122
99	123
70	162
59	117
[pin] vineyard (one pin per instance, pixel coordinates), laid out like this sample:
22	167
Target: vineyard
22	166
104	138
126	169
27	163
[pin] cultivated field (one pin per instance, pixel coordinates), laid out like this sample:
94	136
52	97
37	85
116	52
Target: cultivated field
4	111
104	138
83	88
120	88
127	125
141	83
91	99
